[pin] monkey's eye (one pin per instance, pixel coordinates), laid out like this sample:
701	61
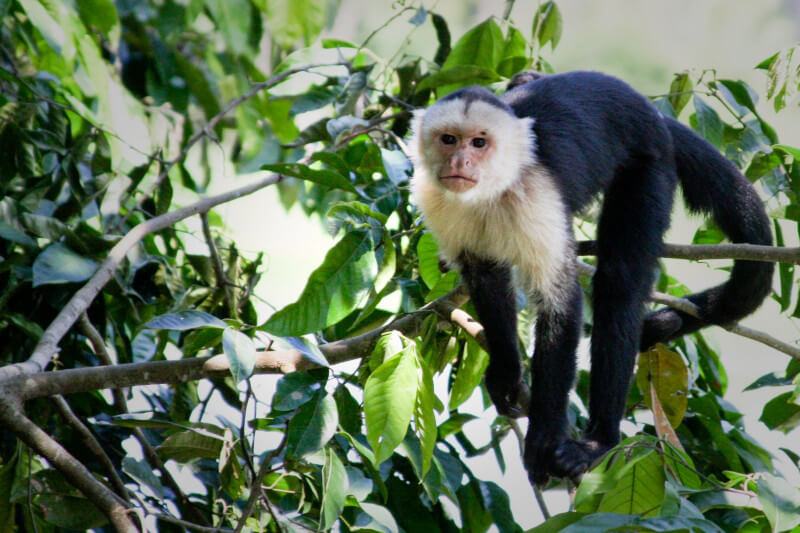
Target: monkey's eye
448	139
478	142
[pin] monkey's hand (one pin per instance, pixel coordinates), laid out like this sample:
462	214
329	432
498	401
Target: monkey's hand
509	393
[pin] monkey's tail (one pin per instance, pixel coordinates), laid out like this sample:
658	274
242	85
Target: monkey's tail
712	185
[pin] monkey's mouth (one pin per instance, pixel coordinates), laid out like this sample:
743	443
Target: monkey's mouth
457	182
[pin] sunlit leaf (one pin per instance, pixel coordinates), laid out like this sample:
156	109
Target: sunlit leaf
390	395
333	290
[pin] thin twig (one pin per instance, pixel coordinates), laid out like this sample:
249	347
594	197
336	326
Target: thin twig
216	263
537	492
92	443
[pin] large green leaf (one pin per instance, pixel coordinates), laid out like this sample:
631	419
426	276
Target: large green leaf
334	489
333	290
390	395
312	426
58	264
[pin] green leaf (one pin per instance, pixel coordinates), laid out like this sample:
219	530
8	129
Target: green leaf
470	372
334	489
780	500
355	215
390	395
708	122
334	289
241	353
295	389
183	320
375	517
445	284
298	20
11	233
190	445
640	489
143	473
482	46
428	254
398	167
782	412
670	377
458	76
424	417
102	15
312	426
680	92
548	25
326	177
58	264
232	18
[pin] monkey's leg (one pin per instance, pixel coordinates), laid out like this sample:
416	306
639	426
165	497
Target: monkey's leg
558	330
492	292
630	233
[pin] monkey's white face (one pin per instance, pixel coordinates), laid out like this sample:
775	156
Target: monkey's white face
474	151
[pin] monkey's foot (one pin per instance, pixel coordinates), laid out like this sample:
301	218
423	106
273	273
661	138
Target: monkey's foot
565	459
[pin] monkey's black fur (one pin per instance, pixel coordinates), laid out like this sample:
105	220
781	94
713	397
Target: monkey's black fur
594	134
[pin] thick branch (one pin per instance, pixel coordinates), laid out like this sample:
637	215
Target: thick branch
71	381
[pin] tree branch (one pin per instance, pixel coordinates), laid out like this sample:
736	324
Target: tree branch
749	252
78	475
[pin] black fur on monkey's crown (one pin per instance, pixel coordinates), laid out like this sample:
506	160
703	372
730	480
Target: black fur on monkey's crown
476	93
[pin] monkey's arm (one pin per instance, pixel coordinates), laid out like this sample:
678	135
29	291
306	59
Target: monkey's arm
492	292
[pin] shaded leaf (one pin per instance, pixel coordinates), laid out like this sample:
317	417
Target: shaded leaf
183	320
58	264
312	426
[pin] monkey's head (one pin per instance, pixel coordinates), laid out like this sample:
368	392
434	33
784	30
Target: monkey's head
471	144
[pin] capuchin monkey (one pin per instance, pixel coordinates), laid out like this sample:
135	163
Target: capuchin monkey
498	180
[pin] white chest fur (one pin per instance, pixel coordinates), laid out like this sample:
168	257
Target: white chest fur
527	226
